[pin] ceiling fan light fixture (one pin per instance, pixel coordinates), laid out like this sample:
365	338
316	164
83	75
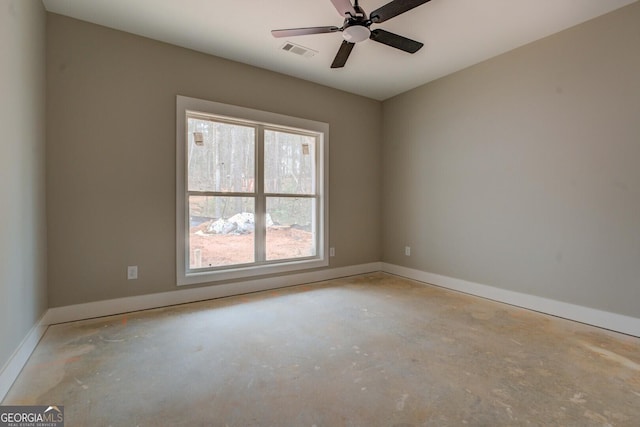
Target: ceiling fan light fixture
356	33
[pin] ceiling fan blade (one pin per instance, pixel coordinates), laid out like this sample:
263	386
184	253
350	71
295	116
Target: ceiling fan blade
394	8
344	7
343	54
290	32
394	40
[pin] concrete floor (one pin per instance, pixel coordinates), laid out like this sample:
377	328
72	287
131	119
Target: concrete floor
373	350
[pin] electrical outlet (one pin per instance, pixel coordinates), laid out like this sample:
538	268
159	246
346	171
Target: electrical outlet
407	250
132	272
332	251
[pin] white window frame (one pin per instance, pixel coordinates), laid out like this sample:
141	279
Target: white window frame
262	118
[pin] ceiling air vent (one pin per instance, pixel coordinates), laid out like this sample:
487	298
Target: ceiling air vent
298	50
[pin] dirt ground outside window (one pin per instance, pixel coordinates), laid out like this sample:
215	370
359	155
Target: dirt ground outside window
232	249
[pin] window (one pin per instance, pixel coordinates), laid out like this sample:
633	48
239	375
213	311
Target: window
251	192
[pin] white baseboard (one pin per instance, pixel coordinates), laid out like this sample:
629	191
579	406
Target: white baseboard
612	321
18	359
591	316
69	313
181	296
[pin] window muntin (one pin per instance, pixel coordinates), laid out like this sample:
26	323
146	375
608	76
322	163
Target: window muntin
255	182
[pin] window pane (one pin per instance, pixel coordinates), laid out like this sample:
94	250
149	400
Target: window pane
289	163
221	231
221	156
290	228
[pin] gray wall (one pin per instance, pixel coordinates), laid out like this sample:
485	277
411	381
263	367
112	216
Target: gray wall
23	293
523	172
111	155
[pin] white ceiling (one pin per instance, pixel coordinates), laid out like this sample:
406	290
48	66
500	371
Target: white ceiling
455	33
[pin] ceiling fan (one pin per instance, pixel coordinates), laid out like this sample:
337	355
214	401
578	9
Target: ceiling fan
356	27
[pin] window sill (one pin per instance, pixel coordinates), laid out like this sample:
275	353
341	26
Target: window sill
197	278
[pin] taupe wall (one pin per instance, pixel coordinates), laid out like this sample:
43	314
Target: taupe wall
111	155
523	172
23	293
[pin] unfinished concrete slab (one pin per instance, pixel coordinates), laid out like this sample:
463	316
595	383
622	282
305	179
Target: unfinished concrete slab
372	350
